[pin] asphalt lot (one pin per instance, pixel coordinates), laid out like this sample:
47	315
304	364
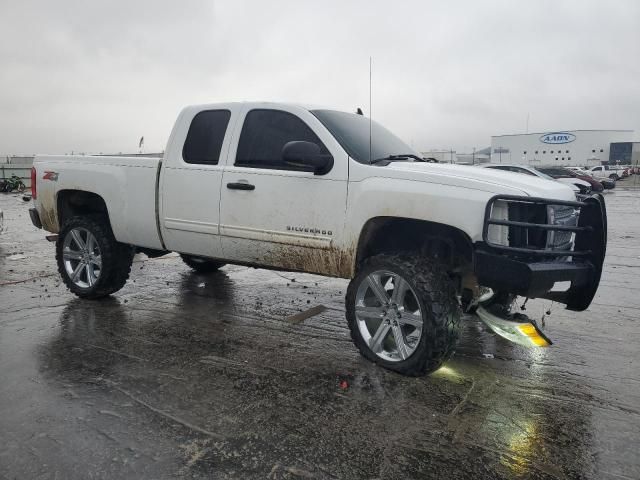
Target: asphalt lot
185	375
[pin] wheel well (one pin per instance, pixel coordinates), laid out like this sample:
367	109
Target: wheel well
78	202
392	235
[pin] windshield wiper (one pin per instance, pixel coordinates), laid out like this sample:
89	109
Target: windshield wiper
394	158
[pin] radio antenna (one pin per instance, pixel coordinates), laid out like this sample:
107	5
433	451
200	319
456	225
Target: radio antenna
370	114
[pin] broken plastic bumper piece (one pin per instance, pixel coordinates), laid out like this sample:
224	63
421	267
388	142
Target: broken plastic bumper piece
521	330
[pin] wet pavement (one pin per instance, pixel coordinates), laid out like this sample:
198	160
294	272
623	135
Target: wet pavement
207	376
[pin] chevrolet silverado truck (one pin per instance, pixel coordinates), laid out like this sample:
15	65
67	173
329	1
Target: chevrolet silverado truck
294	188
614	172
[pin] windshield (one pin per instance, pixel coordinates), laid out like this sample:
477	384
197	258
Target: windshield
557	171
352	132
544	175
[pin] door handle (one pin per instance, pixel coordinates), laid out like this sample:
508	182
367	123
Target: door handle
240	186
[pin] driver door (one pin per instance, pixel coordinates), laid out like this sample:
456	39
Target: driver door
278	215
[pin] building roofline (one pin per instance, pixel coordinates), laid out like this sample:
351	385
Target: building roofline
558	131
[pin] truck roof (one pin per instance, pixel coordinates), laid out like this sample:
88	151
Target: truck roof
264	104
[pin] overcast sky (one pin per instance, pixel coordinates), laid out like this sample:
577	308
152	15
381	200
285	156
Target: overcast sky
94	76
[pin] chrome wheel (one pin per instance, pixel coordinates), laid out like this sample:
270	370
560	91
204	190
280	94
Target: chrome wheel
389	315
82	258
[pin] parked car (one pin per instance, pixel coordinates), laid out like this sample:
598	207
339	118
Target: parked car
578	186
607	171
581	171
565	173
606	182
286	187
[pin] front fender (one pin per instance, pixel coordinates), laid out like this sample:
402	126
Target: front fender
458	207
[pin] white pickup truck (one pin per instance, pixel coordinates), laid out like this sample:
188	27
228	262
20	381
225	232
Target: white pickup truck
607	171
292	188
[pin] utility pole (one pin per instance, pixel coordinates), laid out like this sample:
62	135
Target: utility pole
473	159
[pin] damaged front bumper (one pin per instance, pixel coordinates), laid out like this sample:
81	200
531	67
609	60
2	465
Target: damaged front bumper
533	272
519	329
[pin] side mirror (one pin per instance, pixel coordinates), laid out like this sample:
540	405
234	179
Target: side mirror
306	155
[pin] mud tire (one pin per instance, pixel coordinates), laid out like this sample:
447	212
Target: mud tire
116	257
437	296
201	264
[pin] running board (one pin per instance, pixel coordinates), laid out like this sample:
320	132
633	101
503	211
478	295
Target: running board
525	333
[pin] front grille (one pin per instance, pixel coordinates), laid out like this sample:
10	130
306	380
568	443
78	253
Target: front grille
533	226
527	237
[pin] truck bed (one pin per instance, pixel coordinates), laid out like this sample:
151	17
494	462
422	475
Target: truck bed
128	186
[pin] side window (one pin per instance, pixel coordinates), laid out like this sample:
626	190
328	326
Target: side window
205	137
265	133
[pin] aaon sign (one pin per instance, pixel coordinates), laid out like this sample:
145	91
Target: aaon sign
557	137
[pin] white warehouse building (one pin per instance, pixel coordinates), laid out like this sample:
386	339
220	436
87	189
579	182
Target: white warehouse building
569	147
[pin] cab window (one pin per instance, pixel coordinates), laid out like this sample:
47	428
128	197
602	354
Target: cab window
205	137
265	133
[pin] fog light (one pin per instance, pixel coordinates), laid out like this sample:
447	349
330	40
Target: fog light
525	333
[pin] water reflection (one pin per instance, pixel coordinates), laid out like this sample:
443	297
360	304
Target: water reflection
88	331
95	337
525	407
517	415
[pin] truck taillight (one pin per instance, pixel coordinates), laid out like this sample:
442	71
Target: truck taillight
34	191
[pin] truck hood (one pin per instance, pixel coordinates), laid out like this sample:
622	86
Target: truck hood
574	181
496	181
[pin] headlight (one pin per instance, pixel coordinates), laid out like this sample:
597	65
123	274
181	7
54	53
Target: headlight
499	234
565	216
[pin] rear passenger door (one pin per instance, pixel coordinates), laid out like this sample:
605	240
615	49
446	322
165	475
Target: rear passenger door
190	182
274	214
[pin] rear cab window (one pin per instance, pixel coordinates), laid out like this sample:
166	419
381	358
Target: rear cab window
265	132
205	137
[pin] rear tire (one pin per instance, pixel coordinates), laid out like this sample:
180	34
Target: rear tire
201	264
91	262
429	302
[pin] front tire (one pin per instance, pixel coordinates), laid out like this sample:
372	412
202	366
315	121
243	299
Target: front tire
403	313
91	262
201	264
